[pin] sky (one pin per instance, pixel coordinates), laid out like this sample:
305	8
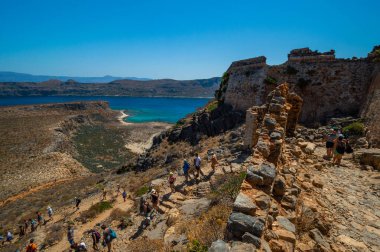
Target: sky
179	39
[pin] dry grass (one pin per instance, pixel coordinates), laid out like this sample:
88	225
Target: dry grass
209	227
54	234
147	245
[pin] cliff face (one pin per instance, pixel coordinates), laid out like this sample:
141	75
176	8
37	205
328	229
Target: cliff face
330	87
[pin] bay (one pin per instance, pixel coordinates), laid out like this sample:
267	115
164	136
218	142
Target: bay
139	109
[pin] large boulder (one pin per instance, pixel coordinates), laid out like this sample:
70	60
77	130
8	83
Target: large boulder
244	204
368	157
238	224
250	238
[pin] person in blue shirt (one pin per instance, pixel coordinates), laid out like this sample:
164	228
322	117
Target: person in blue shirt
186	168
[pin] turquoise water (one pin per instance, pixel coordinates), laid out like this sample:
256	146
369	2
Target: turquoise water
139	109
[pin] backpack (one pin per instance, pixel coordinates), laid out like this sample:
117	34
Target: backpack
97	236
112	234
31	248
172	179
348	149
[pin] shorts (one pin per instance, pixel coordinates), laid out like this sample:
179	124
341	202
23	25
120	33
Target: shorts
197	167
329	145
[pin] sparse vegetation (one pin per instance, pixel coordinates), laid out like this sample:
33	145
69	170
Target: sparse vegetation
208	228
212	106
270	80
355	128
96	209
54	234
142	190
226	188
101	147
148	245
219	94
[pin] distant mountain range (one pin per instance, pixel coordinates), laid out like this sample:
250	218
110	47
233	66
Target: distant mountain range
125	87
22	77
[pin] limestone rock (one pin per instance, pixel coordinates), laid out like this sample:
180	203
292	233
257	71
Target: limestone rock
249	238
238	224
285	223
173	216
309	148
279	186
262	201
286	235
254	179
265	170
242	247
318	238
219	246
244	204
317	183
348	241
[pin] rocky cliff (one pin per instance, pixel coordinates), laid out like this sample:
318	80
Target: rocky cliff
330	87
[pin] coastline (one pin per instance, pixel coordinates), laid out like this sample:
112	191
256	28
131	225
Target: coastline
121	118
142	134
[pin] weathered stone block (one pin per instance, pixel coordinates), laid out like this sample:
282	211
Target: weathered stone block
238	224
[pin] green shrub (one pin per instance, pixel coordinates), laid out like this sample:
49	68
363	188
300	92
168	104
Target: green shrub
96	209
291	70
211	106
196	246
142	190
356	129
270	80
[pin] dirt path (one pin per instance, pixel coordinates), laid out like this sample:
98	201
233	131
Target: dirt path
352	197
79	230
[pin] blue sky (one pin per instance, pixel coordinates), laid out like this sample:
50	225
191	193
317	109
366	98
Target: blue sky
175	38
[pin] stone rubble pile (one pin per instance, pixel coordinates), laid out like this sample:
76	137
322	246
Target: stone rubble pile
264	210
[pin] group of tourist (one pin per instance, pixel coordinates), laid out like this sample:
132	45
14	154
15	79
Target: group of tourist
336	146
197	167
108	236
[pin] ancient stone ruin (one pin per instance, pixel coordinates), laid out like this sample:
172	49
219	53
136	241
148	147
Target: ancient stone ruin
266	193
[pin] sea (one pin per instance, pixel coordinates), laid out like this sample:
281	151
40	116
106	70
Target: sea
139	109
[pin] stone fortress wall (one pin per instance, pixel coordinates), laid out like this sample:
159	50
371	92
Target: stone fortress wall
330	87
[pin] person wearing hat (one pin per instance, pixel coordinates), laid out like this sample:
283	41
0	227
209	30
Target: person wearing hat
339	148
154	197
172	179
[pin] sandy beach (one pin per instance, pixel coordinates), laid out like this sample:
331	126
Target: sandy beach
142	134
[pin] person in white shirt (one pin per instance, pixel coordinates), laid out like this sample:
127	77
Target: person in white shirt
197	164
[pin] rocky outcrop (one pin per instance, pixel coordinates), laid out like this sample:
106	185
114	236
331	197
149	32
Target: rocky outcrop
203	123
330	87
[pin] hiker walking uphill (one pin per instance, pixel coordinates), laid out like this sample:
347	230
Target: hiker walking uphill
214	162
154	197
50	212
186	168
339	149
70	235
108	236
124	195
77	202
171	180
197	165
330	141
104	194
32	247
95	236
